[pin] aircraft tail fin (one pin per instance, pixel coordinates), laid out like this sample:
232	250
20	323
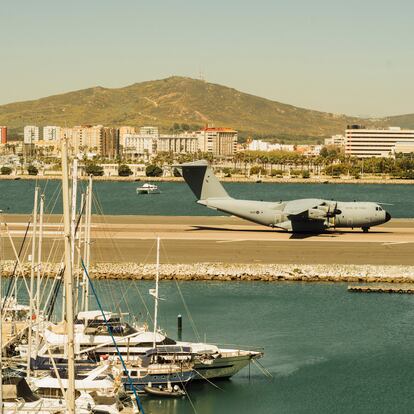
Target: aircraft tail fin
202	181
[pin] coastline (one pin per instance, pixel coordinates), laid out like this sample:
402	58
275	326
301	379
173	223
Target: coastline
266	180
224	272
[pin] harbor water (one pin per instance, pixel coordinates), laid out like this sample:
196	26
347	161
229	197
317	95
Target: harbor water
176	199
329	351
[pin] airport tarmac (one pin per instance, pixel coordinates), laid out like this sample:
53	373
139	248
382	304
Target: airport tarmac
225	239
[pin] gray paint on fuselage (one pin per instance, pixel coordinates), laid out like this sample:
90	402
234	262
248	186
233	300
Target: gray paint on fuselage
352	214
303	215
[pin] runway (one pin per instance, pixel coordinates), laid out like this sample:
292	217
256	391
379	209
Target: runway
225	239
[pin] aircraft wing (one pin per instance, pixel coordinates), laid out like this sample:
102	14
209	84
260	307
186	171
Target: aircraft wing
299	208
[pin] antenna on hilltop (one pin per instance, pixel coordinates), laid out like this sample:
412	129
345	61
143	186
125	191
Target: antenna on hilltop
201	75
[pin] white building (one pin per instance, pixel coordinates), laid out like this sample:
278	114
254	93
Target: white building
149	131
364	143
259	145
178	144
31	134
337	140
404	147
51	133
125	130
136	145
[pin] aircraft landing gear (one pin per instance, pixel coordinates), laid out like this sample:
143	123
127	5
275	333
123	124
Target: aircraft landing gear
365	229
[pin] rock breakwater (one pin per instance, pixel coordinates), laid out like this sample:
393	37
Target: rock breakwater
239	272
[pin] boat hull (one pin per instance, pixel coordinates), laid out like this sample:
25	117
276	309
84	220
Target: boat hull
158	380
221	368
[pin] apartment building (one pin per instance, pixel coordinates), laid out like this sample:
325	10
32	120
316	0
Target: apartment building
87	138
336	140
125	130
51	133
137	145
178	144
221	142
30	134
110	142
3	134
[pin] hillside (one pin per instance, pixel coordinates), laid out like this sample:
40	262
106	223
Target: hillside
403	121
175	99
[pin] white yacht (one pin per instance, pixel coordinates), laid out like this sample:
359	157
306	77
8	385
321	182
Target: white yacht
148	188
94	392
93	343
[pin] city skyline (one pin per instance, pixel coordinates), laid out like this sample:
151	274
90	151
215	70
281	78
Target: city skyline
341	57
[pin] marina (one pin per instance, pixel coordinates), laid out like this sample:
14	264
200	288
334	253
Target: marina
305	330
72	360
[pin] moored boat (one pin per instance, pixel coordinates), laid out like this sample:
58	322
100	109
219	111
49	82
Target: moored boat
148	188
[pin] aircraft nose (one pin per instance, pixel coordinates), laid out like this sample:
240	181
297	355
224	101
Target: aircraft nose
387	216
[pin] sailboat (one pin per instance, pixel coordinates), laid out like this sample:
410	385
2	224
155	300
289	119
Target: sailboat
58	395
152	371
94	335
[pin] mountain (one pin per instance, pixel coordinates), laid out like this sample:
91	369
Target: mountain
176	100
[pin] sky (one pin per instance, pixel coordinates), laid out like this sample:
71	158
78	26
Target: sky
354	57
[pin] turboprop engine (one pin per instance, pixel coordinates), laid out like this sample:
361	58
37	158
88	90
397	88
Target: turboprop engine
324	212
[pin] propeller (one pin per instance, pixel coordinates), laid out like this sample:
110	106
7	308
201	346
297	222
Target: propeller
332	214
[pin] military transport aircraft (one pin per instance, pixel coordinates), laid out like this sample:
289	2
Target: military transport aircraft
308	215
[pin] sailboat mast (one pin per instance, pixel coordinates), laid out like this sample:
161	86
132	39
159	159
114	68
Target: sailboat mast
39	264
157	277
88	240
85	248
73	207
79	270
1	315
32	275
68	282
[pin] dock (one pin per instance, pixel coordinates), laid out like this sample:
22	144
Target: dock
384	288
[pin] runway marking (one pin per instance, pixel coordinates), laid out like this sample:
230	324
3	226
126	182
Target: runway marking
396	242
230	241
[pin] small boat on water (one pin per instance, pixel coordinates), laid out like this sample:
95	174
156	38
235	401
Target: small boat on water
148	188
172	392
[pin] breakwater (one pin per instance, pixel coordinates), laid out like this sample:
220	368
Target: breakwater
239	272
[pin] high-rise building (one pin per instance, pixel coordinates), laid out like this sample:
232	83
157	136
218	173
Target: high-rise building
110	142
3	134
364	143
221	142
31	134
124	130
51	133
87	138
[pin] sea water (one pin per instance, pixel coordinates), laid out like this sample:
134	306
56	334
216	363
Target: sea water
176	199
328	350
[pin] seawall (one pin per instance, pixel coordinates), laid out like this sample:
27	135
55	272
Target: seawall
240	272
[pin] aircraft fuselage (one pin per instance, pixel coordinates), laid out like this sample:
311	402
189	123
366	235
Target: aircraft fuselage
325	214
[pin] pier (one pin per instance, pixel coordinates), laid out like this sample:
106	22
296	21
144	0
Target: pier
384	288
